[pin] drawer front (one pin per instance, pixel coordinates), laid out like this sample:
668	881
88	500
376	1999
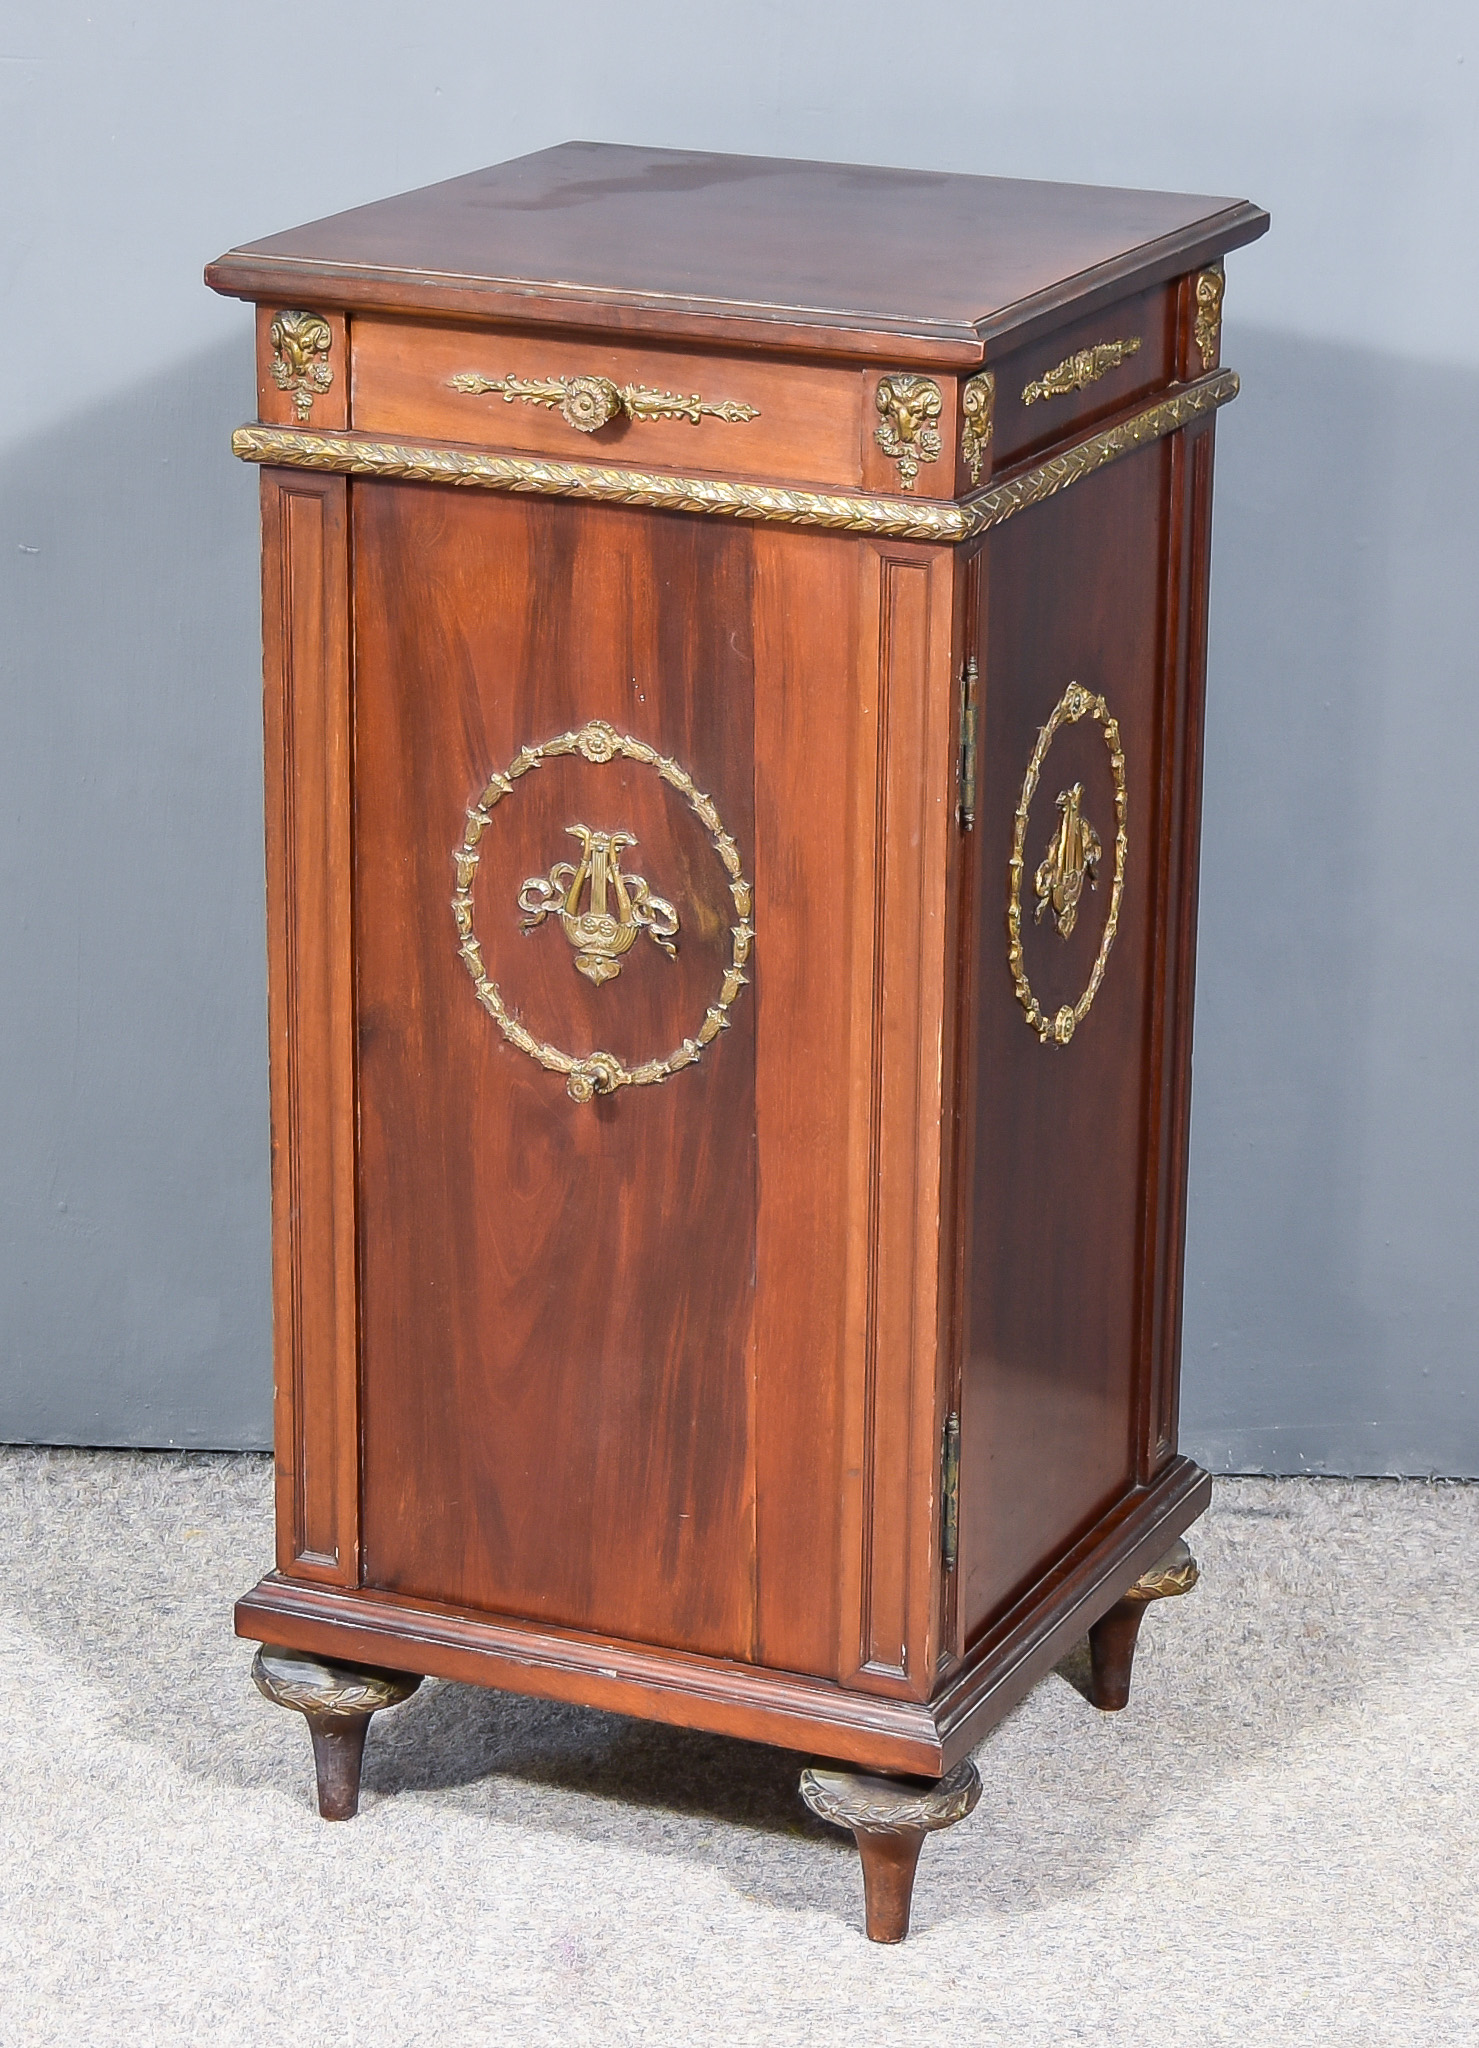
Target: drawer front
1057	387
712	415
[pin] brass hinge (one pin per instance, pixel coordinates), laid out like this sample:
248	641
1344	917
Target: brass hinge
950	1493
967	805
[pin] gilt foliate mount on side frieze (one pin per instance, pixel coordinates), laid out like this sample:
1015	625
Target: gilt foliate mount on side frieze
300	346
1072	857
590	403
977	408
1207	328
1085	366
598	1072
908	430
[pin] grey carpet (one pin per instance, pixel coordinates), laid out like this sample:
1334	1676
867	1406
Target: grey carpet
1275	1843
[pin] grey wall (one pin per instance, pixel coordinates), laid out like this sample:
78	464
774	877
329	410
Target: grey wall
1333	1286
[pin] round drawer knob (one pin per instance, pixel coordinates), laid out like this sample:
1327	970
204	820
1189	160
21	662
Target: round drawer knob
590	403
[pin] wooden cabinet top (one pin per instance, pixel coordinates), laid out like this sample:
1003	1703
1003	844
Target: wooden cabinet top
833	259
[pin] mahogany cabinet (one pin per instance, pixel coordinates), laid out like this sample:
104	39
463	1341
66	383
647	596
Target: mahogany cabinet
735	637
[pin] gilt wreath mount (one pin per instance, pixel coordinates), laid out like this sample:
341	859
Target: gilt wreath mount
598	1072
1061	863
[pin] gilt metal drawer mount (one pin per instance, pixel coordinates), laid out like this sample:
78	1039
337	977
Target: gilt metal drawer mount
590	403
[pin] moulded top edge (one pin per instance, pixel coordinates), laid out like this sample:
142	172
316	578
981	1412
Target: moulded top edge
826	258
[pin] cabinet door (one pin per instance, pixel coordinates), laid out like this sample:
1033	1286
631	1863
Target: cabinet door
658	1363
556	1293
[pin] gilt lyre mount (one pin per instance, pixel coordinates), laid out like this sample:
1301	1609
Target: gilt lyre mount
621	905
1072	858
600	933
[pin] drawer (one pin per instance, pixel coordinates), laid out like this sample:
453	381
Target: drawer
684	411
1061	385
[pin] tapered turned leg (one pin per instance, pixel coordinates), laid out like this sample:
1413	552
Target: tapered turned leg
337	1701
338	1757
1112	1638
1112	1654
889	1819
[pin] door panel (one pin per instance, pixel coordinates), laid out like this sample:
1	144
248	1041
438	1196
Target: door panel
1055	1355
556	1294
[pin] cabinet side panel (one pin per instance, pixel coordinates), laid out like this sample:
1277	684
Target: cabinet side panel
306	667
1056	1346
